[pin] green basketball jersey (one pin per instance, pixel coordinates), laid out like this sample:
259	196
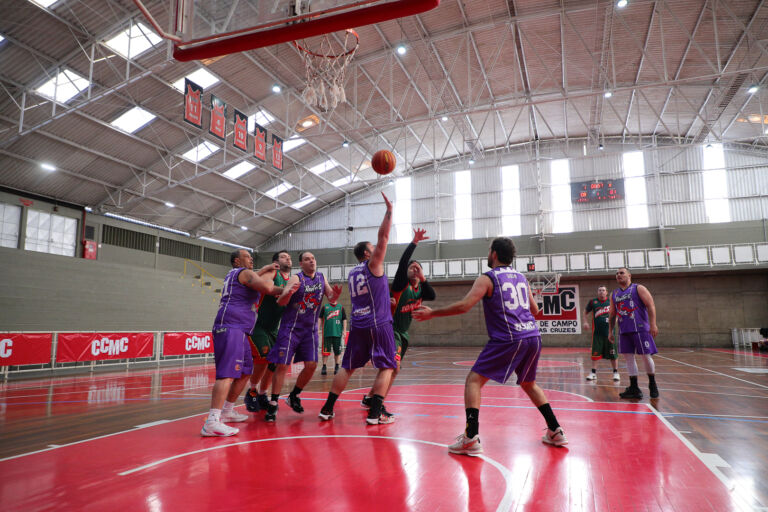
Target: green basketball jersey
405	302
269	311
601	311
332	320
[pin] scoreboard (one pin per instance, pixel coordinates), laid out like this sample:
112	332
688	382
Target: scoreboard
596	191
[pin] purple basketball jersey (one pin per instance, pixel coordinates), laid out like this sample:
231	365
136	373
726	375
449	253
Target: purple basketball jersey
633	317
507	311
237	307
370	298
303	308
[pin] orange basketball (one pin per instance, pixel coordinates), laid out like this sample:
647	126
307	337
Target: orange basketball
383	162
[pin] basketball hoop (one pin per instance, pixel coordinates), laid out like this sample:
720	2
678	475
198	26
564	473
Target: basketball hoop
326	60
543	283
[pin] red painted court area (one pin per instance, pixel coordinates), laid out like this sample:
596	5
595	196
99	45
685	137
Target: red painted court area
621	456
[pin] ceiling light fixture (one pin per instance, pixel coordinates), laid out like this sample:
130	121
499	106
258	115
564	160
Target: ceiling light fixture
471	161
444	118
48	167
276	88
169	205
753	89
600	147
401	49
345	144
244	228
607	94
622	4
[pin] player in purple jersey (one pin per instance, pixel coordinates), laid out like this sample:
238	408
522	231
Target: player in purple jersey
232	350
371	337
297	338
633	305
514	344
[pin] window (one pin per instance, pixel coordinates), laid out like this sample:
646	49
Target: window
636	199
201	77
133	41
238	170
402	214
10	220
346	180
262	117
133	120
304	202
462	205
560	194
292	143
280	189
510	201
50	233
201	152
64	86
324	166
715	184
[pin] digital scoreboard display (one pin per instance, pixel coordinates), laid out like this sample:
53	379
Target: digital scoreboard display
596	191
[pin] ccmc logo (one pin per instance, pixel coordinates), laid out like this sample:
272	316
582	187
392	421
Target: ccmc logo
559	312
198	343
109	347
6	347
559	304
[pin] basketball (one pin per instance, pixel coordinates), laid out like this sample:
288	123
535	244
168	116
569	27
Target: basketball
383	162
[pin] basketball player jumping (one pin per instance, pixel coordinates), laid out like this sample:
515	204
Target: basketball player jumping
514	344
370	333
298	337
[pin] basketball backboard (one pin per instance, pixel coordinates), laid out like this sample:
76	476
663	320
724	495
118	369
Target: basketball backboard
203	29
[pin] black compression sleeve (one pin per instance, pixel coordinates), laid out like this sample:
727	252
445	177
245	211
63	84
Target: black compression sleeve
401	276
427	292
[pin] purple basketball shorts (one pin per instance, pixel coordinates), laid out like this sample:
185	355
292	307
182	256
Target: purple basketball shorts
636	343
296	345
232	353
376	344
499	359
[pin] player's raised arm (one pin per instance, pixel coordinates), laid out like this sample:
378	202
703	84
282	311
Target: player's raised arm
252	280
376	263
290	288
332	292
482	287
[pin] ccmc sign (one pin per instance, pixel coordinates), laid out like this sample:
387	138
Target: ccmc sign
559	313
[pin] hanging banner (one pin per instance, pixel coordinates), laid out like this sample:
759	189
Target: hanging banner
559	313
241	131
277	152
218	126
260	142
182	343
18	348
193	103
99	346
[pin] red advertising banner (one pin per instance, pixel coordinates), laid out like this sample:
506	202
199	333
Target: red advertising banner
240	140
260	142
193	103
559	313
182	343
86	346
18	348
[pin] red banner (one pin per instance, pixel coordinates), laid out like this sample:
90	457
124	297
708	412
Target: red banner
181	343
98	346
218	126
241	131
19	348
260	143
277	152
193	103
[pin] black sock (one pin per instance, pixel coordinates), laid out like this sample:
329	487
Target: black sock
633	381
473	422
594	370
329	403
375	410
549	417
651	380
296	391
275	397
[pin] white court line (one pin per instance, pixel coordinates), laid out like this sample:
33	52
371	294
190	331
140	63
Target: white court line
151	423
504	504
713	371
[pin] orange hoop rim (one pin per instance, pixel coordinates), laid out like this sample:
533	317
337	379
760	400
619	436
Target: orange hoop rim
330	56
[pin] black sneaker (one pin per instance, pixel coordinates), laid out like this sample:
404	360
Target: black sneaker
294	402
631	392
653	389
271	415
324	371
251	401
366	402
263	402
385	412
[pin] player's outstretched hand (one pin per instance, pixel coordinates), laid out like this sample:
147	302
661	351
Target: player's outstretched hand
419	274
336	291
392	302
387	202
419	235
422	313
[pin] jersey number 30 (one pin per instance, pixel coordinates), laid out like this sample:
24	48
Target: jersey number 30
358	288
515	296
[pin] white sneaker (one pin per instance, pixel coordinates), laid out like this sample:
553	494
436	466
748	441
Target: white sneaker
616	376
556	438
466	445
217	429
232	416
592	376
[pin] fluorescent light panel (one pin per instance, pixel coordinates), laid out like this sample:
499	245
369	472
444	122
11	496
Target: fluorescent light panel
222	242
64	86
278	190
238	170
201	152
201	77
133	120
139	40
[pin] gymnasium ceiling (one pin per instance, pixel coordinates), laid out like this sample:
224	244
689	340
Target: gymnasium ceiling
479	77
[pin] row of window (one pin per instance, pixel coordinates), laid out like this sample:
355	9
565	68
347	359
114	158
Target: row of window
635	199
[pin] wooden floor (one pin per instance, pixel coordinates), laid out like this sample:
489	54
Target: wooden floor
701	446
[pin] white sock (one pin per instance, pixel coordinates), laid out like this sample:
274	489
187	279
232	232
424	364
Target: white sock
214	415
228	406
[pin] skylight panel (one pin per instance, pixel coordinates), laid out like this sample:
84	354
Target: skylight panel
133	41
64	86
201	152
280	189
133	120
201	77
45	3
324	166
304	202
346	180
262	117
238	170
292	143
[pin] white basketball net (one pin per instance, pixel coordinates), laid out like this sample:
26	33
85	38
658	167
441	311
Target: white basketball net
326	60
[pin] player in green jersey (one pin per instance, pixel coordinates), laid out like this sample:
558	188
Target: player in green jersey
602	347
408	290
264	334
334	323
